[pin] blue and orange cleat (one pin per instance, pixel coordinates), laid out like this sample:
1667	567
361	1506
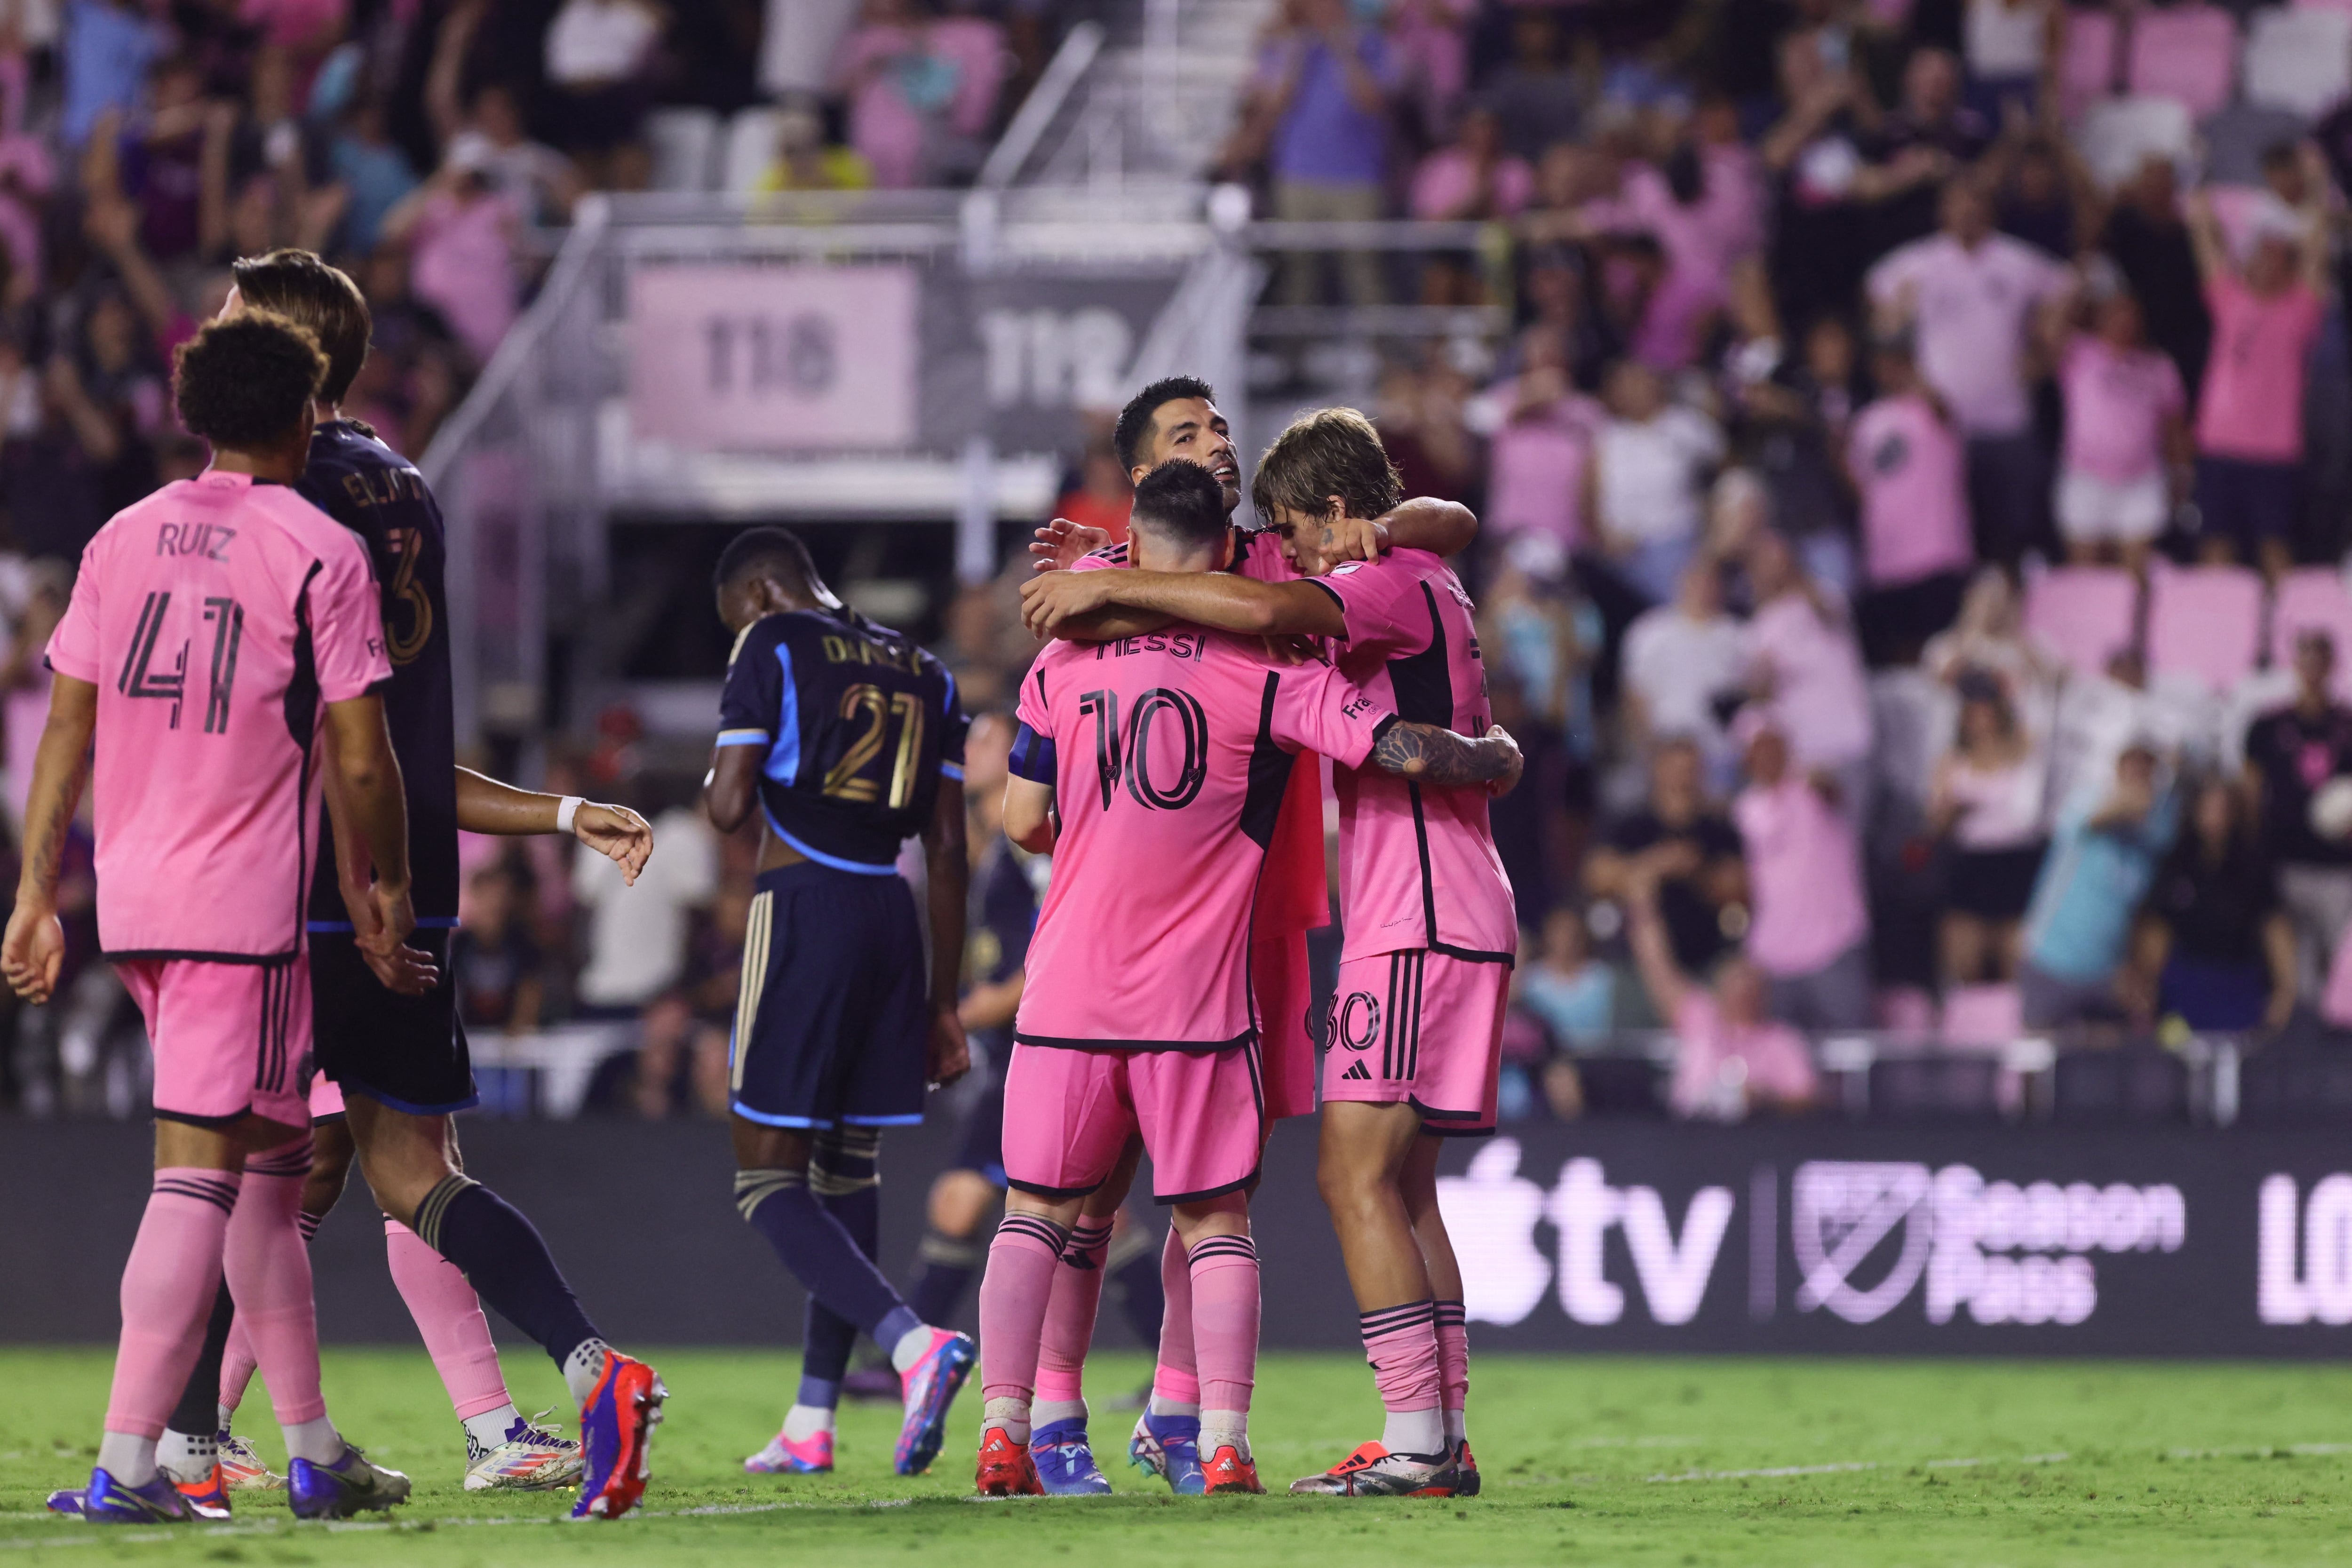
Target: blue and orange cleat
616	1429
931	1386
783	1455
109	1501
1168	1447
1230	1470
208	1497
338	1490
1066	1460
1006	1468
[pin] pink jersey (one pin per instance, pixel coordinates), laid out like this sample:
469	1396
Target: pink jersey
214	618
2116	403
1170	755
1417	867
1912	472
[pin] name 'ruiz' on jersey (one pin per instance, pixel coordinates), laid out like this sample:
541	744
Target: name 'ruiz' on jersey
858	725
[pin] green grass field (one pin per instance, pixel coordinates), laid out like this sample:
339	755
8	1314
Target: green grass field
1647	1461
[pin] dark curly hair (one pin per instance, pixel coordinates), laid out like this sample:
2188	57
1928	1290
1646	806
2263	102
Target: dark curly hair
242	381
1331	452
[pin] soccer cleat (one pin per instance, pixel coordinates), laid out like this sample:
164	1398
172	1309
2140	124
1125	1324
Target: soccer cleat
208	1497
1228	1471
1373	1471
243	1469
1006	1468
1465	1471
109	1501
785	1457
343	1489
530	1459
1066	1460
616	1428
1168	1447
66	1500
931	1386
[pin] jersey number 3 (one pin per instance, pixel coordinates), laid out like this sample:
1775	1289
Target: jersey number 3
881	712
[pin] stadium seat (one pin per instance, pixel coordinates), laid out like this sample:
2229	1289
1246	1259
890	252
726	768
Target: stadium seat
2086	70
1935	1088
2314	598
1983	1018
2290	1083
750	152
685	146
2134	1084
2186	53
2323	5
2299	60
2236	139
2119	135
1620	1085
2205	623
2084	614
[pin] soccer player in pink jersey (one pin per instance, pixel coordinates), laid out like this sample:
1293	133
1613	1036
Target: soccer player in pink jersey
218	630
1415	1032
1177	419
1155	768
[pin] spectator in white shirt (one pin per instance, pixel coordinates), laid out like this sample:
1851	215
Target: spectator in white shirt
1650	466
637	936
1678	660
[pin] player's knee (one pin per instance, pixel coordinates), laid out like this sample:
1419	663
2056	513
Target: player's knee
960	1203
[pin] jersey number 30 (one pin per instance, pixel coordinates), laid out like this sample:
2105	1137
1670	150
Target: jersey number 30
880	711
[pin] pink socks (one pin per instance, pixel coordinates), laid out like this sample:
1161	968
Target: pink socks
1453	1364
268	1270
449	1316
1177	1379
1224	1277
1014	1298
1401	1344
1070	1314
167	1291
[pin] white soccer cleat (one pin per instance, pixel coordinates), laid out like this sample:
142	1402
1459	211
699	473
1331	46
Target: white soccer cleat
244	1470
531	1458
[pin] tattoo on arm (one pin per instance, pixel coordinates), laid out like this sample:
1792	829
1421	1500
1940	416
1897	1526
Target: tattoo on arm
1428	754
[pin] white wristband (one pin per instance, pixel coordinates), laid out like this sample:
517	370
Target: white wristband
567	811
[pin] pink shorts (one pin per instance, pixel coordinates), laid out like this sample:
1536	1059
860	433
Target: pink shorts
1069	1113
1285	991
228	1038
326	1098
1423	1028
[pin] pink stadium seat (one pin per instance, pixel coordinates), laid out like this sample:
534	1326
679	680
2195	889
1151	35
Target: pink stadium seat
2086	70
2323	5
2188	53
2084	614
1905	1010
1987	1016
2205	622
2314	598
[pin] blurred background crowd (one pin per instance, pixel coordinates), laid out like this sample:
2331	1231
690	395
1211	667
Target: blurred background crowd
1915	475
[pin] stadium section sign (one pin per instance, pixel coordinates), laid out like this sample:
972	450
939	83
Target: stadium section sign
1826	1237
773	358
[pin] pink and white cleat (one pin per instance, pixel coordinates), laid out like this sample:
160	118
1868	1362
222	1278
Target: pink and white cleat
783	1455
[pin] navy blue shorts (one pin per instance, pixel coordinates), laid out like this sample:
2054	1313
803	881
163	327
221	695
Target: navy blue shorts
2247	502
830	1025
984	1130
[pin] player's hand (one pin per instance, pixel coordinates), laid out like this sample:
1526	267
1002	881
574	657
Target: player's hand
616	832
1514	764
1061	542
1352	538
1060	596
949	1056
33	951
381	919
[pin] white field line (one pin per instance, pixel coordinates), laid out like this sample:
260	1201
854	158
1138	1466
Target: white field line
92	1535
1850	1465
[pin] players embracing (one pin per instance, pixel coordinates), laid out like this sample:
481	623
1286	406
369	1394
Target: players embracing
1155	765
1414	1034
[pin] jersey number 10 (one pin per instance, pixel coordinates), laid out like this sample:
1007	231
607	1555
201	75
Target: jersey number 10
1130	756
848	778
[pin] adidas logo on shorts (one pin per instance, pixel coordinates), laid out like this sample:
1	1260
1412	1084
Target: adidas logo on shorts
1357	1073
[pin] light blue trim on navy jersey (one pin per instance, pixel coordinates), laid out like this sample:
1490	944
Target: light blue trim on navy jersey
948	706
915	1120
424	922
953	771
784	763
744	738
862	868
764	1119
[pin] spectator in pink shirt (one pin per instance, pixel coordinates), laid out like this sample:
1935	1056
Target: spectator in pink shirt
461	236
1733	1059
1809	929
2126	437
1537	455
1909	469
1474	179
1801	659
2266	312
1970	297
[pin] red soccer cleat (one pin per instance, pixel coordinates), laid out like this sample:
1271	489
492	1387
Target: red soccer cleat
1227	1471
1006	1468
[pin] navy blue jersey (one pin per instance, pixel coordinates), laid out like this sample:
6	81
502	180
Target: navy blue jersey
857	725
378	495
1004	915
